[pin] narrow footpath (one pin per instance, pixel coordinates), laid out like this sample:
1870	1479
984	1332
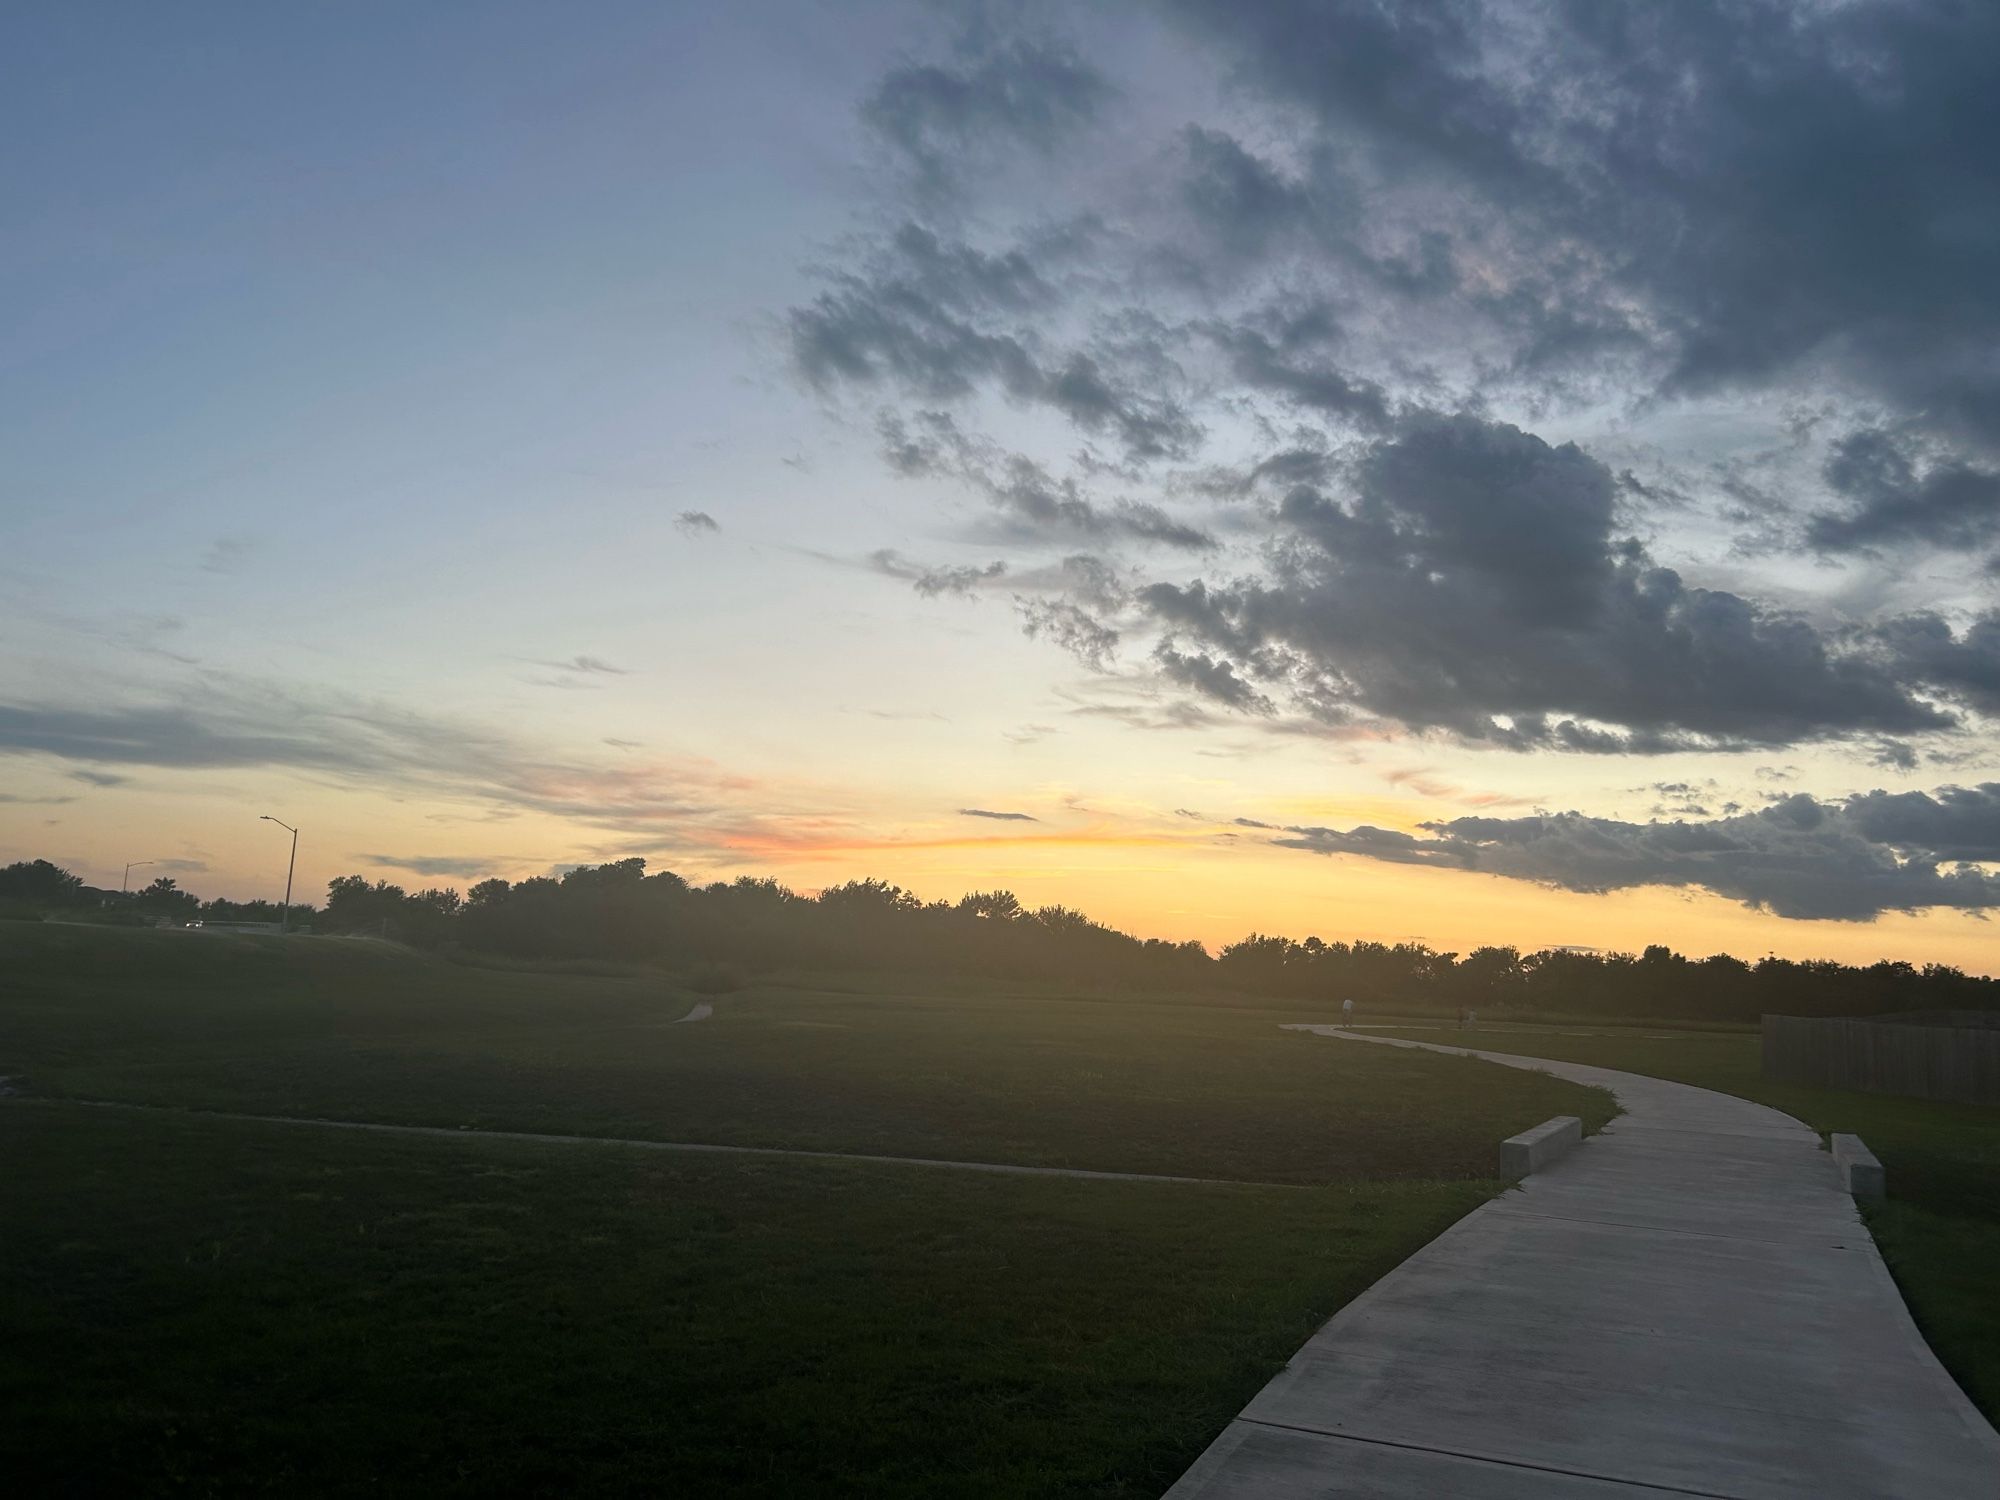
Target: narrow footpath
629	1143
1687	1304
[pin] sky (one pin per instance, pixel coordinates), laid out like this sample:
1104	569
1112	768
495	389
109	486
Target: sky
1480	473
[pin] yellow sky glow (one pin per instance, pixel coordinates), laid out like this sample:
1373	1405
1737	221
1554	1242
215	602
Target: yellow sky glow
1151	873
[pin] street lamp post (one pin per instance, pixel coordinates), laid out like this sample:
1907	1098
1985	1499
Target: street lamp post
124	886
285	911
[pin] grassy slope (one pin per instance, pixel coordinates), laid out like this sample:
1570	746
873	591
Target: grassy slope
195	1303
1940	1229
1185	1086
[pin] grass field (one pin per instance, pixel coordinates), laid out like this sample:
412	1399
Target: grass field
194	1304
1940	1229
1180	1085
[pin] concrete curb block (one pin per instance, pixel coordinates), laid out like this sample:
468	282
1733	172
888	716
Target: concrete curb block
1860	1173
1532	1150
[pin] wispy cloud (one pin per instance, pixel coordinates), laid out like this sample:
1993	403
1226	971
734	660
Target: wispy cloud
464	866
1001	817
587	666
1426	782
219	721
1028	734
581	673
227	555
963	581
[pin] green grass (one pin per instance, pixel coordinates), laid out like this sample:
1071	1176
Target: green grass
1179	1085
1940	1229
196	1304
211	1306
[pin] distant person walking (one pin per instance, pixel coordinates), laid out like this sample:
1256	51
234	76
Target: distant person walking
1347	1012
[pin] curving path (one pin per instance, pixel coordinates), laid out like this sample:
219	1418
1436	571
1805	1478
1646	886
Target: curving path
1686	1305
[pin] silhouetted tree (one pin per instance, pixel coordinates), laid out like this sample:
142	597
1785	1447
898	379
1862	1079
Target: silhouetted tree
39	883
619	911
163	898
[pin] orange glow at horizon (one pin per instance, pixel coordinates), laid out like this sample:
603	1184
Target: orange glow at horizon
1149	873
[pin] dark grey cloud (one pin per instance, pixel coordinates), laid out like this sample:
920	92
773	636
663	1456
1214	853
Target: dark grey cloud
1893	755
1953	823
1473	583
1242	200
1302	376
908	318
1719	195
1040	506
1028	91
1284	468
1896	496
1089	639
1003	817
938	320
696	523
1683	799
99	778
1772	184
1800	857
1083	578
1210	676
1963	662
1415	218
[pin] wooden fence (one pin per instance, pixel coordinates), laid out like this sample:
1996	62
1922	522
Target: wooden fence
1960	1063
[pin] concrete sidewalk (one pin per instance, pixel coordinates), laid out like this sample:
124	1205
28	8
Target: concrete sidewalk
1688	1304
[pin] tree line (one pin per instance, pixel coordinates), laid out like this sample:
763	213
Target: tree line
36	888
620	912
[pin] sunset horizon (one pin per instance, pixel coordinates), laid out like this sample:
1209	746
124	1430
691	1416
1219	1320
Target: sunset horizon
1083	454
878	750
